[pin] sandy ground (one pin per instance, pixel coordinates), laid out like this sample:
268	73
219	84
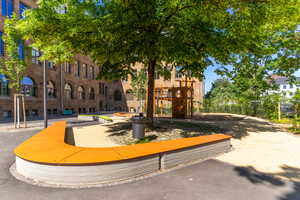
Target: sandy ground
258	145
95	136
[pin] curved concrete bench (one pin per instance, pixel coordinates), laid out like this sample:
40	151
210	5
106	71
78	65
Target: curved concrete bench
46	157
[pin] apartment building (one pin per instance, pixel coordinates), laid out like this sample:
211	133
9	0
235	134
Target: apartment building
285	88
71	86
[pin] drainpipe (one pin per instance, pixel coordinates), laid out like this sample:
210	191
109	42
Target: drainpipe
61	90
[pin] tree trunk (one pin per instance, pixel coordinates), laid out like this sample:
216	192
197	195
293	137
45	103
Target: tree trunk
151	68
296	111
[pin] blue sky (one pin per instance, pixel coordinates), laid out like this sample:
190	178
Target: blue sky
210	75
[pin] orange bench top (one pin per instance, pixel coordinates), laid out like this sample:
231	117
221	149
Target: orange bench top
48	147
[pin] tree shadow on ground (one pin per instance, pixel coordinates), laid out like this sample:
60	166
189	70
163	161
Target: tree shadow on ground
292	173
241	129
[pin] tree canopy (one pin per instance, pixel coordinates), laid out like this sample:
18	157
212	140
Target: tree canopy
120	33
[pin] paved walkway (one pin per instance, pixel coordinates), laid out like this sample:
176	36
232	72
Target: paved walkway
210	179
258	146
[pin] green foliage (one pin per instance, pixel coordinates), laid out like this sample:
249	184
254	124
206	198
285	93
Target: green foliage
221	92
13	66
119	34
139	84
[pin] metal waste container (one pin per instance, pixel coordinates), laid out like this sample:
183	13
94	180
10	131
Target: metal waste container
138	126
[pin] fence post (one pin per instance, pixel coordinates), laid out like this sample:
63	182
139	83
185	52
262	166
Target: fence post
279	111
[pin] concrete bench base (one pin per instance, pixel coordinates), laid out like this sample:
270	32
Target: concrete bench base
87	174
46	157
186	155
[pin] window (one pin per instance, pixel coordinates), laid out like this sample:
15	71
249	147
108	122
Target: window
291	86
156	75
51	89
291	94
34	112
1	45
100	88
170	93
50	64
22	9
7	7
117	96
134	73
116	81
124	79
105	92
76	68
7	114
129	95
68	92
284	94
101	105
284	86
36	54
91	72
188	73
84	68
103	88
81	93
92	94
177	74
67	67
3	85
28	88
61	9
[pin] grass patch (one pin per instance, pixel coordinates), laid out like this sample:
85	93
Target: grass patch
100	116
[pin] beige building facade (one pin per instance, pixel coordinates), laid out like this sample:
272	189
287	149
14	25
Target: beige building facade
71	86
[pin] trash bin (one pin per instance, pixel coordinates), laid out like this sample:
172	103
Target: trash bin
138	126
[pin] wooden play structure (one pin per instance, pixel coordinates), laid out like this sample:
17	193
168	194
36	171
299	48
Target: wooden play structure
181	98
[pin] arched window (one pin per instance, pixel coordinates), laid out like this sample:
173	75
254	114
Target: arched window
28	87
129	95
117	96
3	85
81	95
92	94
51	89
68	91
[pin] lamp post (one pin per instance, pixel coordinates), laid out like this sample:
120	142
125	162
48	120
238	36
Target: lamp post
45	96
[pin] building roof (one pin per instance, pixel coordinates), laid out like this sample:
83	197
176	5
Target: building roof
283	81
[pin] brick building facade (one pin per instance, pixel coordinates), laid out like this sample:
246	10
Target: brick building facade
78	90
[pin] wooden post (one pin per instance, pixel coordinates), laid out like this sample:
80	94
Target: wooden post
278	111
154	96
157	106
192	97
25	122
15	110
161	101
188	105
